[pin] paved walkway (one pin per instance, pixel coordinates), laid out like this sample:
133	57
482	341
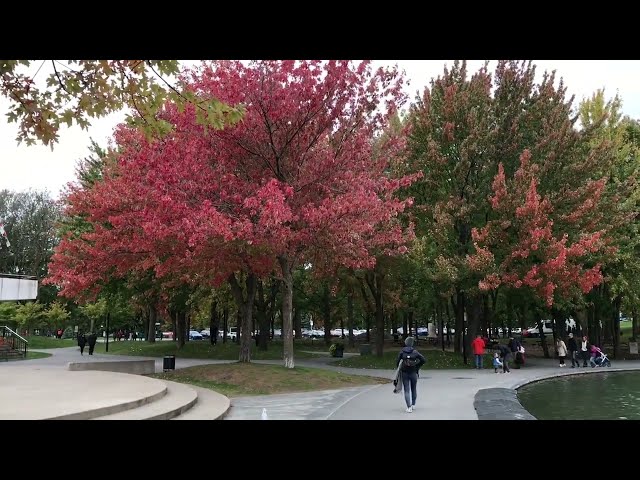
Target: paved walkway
442	394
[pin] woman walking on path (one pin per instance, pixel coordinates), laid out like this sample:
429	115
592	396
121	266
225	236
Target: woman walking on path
410	361
562	351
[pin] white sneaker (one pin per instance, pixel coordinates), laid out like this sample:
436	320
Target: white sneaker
409	410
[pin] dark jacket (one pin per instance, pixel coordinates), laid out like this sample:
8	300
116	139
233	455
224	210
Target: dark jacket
572	346
414	353
91	339
81	340
504	350
514	345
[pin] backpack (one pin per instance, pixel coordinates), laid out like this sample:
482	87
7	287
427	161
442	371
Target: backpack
410	360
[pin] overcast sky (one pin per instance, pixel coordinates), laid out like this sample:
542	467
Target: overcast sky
37	167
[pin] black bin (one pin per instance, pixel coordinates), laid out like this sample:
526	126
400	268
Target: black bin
168	363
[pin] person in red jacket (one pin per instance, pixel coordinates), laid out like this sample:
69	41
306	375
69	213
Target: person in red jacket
478	346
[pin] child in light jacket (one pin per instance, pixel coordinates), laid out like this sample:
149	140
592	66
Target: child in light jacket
496	362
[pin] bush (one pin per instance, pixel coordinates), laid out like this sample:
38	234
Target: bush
336	349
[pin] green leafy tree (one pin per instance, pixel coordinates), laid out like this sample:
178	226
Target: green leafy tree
30	316
95	312
78	90
57	316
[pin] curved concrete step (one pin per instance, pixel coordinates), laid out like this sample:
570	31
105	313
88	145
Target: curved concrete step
39	394
210	406
179	399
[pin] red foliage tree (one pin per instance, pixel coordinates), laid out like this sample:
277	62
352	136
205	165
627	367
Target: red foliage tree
522	247
298	180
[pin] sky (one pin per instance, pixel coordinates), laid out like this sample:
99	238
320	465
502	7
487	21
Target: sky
37	167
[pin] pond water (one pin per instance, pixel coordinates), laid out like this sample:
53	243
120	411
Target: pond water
598	396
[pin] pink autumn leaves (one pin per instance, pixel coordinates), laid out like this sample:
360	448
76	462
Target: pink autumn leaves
521	247
304	176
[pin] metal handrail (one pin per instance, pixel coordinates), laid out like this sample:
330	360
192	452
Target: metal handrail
22	342
15	333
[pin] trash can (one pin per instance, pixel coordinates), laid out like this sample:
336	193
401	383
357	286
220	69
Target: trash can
365	349
168	363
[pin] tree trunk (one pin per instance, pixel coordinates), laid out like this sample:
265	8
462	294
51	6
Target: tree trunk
174	326
448	324
411	325
473	320
286	266
379	315
543	339
581	322
180	327
225	324
394	321
297	324
458	307
273	325
263	320
368	327
440	320
634	324
616	327
153	315
485	322
244	302
352	340
405	324
326	312
213	323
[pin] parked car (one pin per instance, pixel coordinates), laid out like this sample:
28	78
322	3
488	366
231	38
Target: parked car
193	335
232	334
168	335
205	333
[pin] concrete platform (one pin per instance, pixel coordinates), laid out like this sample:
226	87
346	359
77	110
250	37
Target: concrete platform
136	367
35	394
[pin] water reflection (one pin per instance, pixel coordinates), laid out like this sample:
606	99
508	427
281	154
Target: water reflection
599	396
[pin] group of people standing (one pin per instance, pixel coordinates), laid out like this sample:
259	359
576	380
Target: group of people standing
90	339
502	356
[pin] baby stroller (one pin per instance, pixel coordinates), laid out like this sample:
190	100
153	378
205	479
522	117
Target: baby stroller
601	359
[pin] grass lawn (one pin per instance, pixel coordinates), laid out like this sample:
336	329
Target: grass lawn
239	379
49	342
436	359
195	349
31	356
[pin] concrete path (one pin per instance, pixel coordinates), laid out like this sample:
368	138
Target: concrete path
442	394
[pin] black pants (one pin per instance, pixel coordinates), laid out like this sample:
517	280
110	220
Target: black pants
575	359
561	357
91	347
81	349
585	358
505	363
